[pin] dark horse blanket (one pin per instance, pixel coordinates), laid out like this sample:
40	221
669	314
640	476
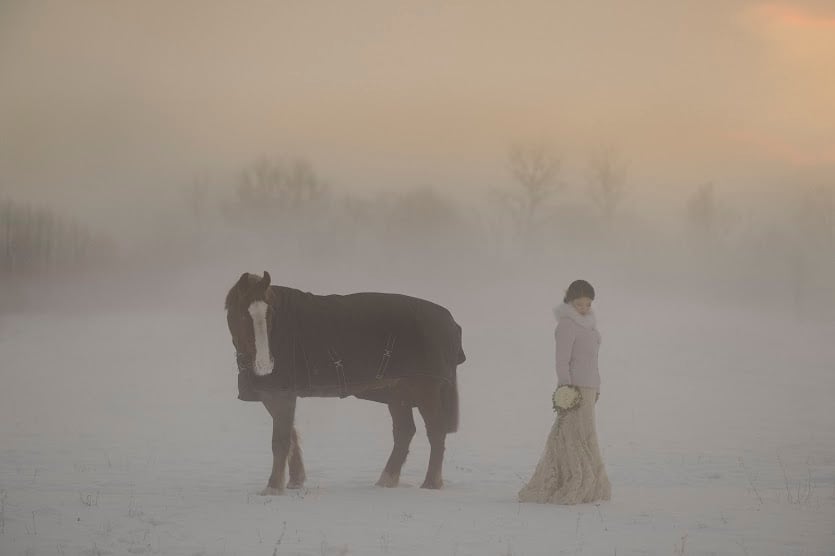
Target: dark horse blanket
326	345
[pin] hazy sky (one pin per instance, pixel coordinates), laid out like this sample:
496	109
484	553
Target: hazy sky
122	98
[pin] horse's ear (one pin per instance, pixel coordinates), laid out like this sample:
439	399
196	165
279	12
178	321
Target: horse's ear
264	283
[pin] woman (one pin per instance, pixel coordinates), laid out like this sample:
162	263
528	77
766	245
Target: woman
570	470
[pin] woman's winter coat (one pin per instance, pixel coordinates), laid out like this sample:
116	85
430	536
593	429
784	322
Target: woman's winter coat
577	346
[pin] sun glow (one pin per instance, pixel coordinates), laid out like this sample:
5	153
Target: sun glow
798	49
796	17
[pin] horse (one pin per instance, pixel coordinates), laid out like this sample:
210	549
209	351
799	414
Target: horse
397	350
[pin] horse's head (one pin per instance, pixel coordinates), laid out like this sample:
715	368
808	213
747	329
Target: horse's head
249	311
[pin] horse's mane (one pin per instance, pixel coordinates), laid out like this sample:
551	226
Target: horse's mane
231	297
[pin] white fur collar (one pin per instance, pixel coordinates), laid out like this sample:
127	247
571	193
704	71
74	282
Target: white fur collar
567	310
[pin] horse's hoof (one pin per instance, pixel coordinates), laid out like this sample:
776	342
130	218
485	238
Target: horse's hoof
434	485
295	485
271	491
388	481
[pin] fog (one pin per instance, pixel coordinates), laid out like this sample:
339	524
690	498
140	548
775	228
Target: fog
466	153
138	125
107	109
681	158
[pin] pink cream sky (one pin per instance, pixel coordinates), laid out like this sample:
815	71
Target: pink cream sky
107	97
800	45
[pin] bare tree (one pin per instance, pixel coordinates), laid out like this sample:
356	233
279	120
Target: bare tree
421	211
37	239
607	181
702	209
814	250
816	216
197	194
536	173
272	187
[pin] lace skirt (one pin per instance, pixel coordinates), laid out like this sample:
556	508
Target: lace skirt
570	470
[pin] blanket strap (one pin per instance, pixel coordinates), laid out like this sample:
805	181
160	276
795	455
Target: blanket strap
340	372
307	366
387	351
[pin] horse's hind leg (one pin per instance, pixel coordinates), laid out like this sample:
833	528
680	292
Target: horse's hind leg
403	429
432	414
297	474
282	408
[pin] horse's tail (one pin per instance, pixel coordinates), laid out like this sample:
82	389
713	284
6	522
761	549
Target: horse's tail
449	403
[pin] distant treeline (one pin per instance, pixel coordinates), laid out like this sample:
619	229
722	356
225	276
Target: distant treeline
35	239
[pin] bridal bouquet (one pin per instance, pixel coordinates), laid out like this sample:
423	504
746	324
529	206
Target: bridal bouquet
566	398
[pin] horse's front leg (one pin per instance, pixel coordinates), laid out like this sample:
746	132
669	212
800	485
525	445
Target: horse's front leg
282	408
297	474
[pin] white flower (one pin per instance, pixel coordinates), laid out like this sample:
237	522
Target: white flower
566	397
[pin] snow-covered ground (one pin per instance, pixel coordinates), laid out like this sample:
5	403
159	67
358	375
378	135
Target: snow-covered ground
120	434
